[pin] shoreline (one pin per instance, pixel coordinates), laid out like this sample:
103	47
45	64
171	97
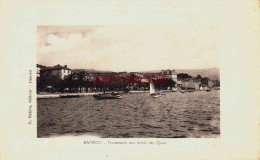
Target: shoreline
58	95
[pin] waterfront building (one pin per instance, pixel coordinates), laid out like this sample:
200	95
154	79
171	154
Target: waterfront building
193	85
172	74
207	82
38	69
60	71
179	84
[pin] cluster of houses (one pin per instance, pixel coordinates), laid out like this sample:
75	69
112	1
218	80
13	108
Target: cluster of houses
182	81
195	84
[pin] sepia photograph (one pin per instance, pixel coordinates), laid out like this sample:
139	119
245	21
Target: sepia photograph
128	81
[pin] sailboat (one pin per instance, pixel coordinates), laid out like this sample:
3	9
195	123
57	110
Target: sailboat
152	91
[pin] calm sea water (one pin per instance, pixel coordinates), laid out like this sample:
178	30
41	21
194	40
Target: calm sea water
174	115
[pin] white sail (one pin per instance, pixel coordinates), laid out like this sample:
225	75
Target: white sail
152	88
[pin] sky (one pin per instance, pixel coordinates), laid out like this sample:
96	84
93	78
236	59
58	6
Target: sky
129	47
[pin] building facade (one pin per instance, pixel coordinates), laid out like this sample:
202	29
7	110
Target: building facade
38	70
172	74
60	71
207	82
190	85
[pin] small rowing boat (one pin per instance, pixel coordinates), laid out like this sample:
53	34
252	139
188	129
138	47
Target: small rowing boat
208	90
107	96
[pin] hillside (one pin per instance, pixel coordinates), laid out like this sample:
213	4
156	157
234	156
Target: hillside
89	70
212	73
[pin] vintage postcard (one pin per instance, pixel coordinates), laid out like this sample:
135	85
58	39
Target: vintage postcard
128	81
97	79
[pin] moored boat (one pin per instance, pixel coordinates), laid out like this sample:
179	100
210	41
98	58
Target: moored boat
156	95
107	96
115	93
208	90
104	95
174	90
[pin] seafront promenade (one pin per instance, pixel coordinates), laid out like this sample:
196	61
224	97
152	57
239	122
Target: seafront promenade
57	95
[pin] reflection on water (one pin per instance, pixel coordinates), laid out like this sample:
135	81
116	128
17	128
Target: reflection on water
174	115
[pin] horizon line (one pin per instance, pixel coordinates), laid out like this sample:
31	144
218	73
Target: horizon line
145	70
133	71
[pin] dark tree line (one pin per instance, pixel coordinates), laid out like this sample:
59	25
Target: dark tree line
81	81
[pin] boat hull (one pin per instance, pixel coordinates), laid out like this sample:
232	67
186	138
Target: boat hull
107	96
155	95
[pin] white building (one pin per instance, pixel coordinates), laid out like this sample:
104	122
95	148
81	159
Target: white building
172	74
58	70
38	69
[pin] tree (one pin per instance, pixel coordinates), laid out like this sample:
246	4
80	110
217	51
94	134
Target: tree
171	83
70	82
183	76
48	80
80	80
198	77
